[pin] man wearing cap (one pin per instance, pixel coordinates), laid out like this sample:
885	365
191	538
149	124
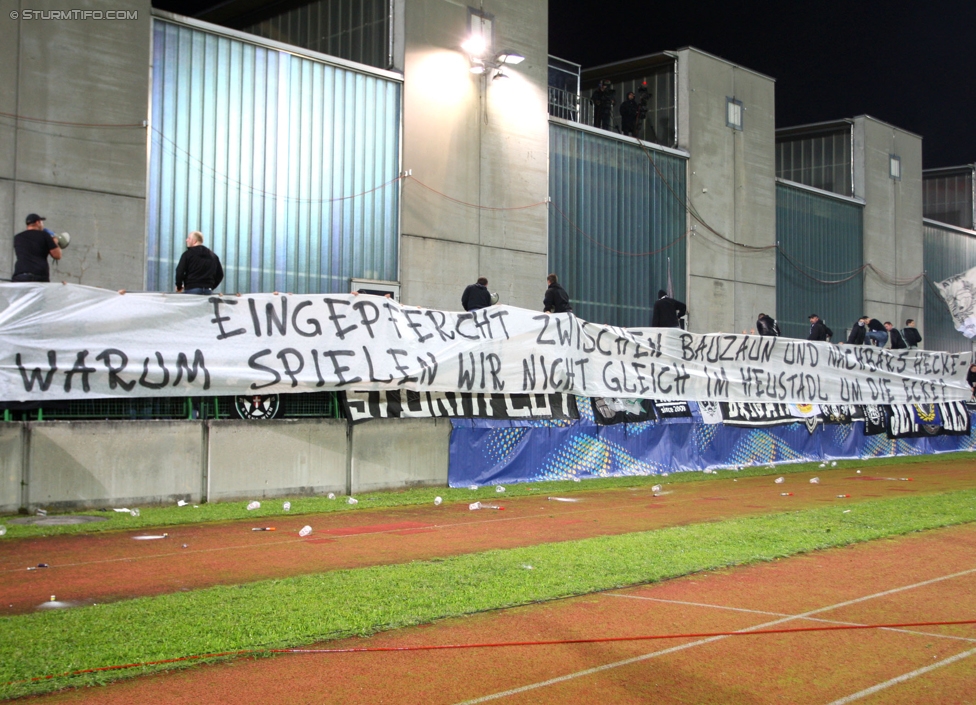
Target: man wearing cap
818	329
32	248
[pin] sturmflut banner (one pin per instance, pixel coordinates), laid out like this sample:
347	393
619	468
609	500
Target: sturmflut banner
74	342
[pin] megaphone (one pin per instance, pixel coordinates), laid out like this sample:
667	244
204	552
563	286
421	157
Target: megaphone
63	239
494	298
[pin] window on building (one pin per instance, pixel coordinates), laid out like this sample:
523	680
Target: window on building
481	27
357	30
894	167
733	113
948	196
820	158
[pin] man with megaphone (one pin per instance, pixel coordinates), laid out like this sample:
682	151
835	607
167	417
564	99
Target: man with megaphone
32	248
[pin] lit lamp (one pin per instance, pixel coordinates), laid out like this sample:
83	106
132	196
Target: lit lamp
509	57
477	49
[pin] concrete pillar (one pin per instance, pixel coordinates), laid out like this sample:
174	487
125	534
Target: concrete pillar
892	219
480	146
732	187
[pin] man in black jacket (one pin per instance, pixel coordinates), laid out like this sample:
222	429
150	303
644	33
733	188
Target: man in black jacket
897	342
818	329
603	105
199	270
476	295
858	331
667	311
912	336
556	299
766	325
629	111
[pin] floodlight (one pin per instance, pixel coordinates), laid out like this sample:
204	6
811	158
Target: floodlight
475	45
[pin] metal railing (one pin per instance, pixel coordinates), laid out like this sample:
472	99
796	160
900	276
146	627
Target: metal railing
570	106
307	405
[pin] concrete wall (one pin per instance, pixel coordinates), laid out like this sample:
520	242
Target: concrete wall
105	463
893	235
88	464
478	141
87	178
399	453
275	458
732	185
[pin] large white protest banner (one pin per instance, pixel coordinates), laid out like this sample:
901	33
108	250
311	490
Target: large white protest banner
959	292
73	342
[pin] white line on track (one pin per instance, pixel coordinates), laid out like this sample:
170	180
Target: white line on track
901	630
767	625
902	678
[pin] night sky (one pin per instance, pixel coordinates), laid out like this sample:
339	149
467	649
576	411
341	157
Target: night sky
911	64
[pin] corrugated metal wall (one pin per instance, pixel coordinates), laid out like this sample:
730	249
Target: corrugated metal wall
945	252
288	166
821	240
612	208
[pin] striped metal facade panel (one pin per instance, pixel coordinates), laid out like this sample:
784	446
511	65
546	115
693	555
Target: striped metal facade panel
616	218
288	166
945	252
821	250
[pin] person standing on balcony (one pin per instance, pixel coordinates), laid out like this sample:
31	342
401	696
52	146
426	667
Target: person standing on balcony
818	329
476	296
199	270
32	248
603	105
858	331
556	299
629	110
911	334
667	312
767	325
897	341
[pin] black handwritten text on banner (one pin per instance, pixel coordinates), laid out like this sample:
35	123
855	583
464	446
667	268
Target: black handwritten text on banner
69	342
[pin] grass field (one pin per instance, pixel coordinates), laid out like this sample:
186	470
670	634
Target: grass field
302	610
